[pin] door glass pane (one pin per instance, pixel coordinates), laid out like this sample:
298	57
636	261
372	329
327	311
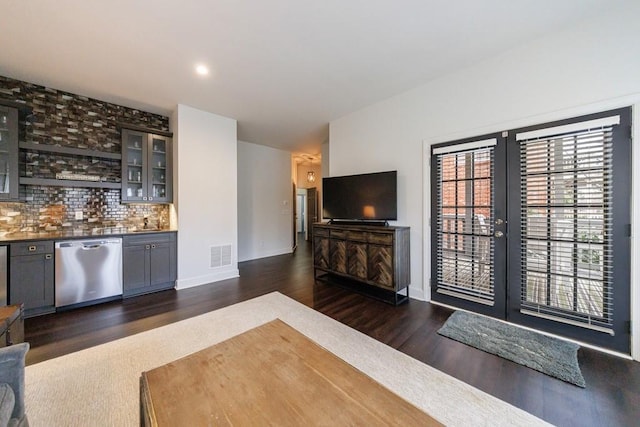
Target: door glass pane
464	218
565	210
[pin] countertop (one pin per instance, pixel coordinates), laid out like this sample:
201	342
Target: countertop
79	234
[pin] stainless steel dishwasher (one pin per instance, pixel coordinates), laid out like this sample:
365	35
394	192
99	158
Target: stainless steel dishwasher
88	271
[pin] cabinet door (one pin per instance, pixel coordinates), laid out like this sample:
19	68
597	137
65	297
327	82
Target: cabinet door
160	263
357	259
135	267
8	153
381	265
338	250
321	252
31	281
159	176
134	165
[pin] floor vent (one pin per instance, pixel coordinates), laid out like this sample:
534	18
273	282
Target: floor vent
220	256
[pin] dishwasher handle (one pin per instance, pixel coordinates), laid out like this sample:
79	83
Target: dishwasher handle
93	246
88	244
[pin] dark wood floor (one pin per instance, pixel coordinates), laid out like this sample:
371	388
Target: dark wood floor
611	398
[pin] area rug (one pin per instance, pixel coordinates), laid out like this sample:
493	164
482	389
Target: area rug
549	355
99	386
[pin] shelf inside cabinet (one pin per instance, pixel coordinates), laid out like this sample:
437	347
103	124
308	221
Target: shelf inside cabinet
68	183
69	151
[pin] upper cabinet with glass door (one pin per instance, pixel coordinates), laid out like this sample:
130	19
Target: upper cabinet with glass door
146	167
8	153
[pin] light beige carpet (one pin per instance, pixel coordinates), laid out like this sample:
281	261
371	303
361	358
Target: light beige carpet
99	386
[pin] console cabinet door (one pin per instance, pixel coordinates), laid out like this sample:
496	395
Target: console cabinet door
357	260
338	250
321	252
381	265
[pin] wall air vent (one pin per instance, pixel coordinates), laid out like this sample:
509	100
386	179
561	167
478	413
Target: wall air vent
220	256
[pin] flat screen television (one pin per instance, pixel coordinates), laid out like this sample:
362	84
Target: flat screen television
364	197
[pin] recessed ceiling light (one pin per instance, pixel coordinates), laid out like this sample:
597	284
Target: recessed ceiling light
202	70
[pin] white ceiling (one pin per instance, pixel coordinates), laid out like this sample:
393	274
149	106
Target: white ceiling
282	68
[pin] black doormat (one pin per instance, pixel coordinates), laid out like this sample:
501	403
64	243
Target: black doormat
551	356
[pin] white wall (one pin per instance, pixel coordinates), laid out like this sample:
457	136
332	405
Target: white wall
325	168
205	194
588	68
265	198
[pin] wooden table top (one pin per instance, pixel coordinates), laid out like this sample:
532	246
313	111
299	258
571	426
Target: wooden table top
9	313
270	375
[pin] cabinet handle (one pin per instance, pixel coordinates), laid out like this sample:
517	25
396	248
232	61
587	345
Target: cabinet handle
32	248
48	256
150	198
153	246
144	198
147	247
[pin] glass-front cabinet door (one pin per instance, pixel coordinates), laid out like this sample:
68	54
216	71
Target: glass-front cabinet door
146	167
159	169
8	153
134	164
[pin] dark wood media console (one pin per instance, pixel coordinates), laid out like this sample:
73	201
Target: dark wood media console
376	257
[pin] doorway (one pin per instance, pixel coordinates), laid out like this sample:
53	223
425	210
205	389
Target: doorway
300	214
525	228
312	211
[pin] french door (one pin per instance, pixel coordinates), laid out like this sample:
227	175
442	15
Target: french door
468	224
533	226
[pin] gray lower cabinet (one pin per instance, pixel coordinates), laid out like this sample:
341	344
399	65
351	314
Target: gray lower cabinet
31	276
149	263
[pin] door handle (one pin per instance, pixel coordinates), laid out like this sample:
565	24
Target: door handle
499	234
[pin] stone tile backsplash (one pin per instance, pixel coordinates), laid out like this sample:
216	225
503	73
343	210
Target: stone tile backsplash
54	209
69	120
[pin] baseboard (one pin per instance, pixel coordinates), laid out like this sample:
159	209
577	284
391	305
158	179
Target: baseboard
206	279
266	254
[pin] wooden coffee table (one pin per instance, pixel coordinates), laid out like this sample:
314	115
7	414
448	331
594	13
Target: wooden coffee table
269	375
